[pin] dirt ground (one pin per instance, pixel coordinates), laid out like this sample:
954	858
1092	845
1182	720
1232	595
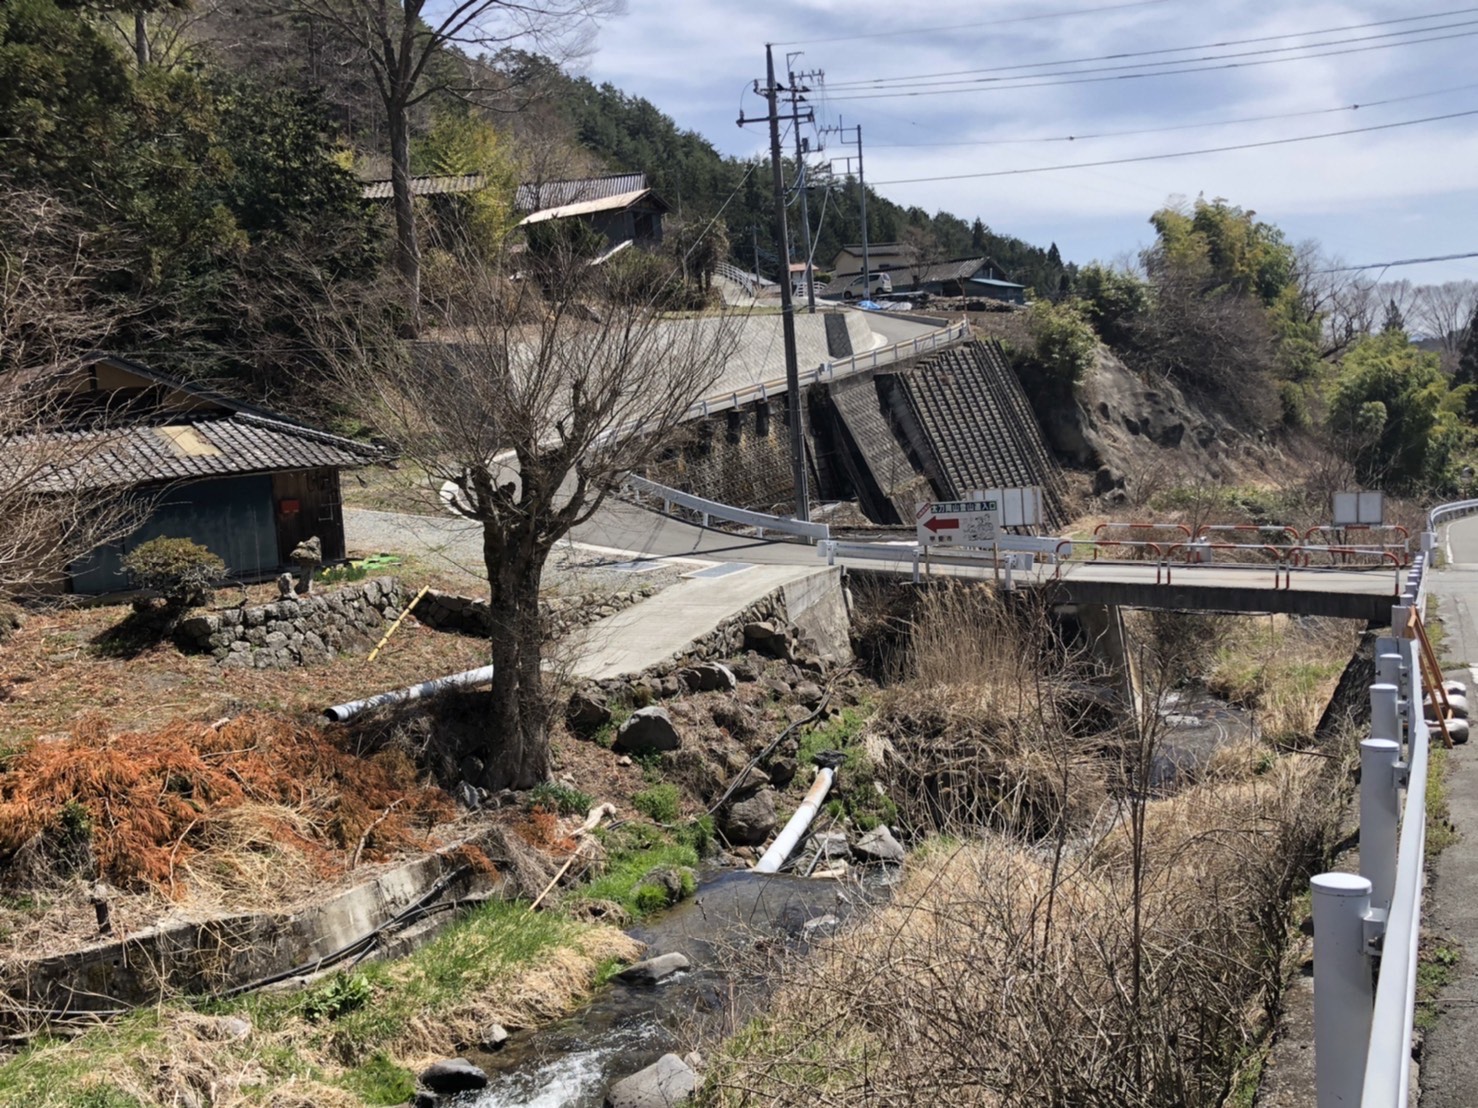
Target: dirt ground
56	670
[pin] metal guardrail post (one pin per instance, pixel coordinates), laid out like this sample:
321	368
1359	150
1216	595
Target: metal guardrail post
1378	814
1342	992
1387	663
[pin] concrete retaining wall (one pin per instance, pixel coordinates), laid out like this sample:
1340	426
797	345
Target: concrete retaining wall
203	957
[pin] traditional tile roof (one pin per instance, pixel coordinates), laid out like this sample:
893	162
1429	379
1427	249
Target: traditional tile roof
144	427
427	186
960	269
122	457
535	197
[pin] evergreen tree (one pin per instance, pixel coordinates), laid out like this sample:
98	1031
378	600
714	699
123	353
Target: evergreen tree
1394	321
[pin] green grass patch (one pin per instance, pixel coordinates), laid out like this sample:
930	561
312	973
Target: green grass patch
1441	831
1435	968
605	734
379	1081
634	852
660	803
64	1073
1247	1077
555	797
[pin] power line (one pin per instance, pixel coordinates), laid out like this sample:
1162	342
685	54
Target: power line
1180	49
975	25
1182	153
1071	80
1181	126
1403	261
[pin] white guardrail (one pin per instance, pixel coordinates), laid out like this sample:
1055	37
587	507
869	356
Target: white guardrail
833	371
712	509
1019	551
1363	1032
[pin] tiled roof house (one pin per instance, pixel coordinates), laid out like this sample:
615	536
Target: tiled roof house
247	483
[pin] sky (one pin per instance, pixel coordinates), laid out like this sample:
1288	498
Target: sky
1403	192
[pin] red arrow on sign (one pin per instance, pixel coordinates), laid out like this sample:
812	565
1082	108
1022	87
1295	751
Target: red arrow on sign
936	524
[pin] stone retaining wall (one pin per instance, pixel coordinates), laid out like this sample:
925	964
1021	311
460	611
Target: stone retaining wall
296	630
444	611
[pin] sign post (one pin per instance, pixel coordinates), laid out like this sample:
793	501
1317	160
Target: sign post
958	522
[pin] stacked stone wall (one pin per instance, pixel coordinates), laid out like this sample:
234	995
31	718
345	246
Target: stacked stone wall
466	615
298	629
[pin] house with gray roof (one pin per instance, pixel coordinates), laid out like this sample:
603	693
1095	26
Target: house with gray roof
247	483
622	207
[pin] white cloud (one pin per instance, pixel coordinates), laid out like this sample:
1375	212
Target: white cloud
693	60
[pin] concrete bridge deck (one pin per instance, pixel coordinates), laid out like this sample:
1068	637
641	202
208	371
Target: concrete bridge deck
1365	594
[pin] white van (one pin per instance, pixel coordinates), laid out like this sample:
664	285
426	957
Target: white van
876	283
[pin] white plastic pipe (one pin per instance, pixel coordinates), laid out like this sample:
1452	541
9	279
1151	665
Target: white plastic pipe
790	834
1342	993
339	713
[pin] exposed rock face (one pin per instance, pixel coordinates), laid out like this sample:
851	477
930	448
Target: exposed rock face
653	970
1120	425
453	1075
666	1083
648	731
767	637
749	818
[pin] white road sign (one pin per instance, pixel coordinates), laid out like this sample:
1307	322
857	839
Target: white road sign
958	522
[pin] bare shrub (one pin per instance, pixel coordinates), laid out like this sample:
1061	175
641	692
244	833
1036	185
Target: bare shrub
986	721
1001	975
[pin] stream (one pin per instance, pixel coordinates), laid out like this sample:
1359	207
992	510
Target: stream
571	1064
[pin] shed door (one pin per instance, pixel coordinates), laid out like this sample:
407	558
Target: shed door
232	516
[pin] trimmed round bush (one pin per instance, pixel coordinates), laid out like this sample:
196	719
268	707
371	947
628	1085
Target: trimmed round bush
181	571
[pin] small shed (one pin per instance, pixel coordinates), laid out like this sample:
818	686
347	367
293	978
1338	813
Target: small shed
622	207
247	483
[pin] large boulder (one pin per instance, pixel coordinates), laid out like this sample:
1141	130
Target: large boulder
749	818
453	1075
648	731
710	677
767	637
666	1083
654	969
878	845
588	709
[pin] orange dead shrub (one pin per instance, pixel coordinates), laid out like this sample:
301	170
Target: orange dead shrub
151	796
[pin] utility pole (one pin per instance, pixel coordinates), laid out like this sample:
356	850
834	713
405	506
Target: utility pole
754	243
861	184
794	400
796	91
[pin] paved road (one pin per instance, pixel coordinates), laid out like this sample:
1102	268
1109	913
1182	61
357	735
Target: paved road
1449	1071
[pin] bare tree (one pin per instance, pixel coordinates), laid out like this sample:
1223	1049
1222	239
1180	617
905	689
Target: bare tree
1441	313
49	315
412	49
534	399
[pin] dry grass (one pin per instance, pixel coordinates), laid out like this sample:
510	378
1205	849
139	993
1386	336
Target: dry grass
51	676
991	721
504	964
1001	974
142	804
1281	668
